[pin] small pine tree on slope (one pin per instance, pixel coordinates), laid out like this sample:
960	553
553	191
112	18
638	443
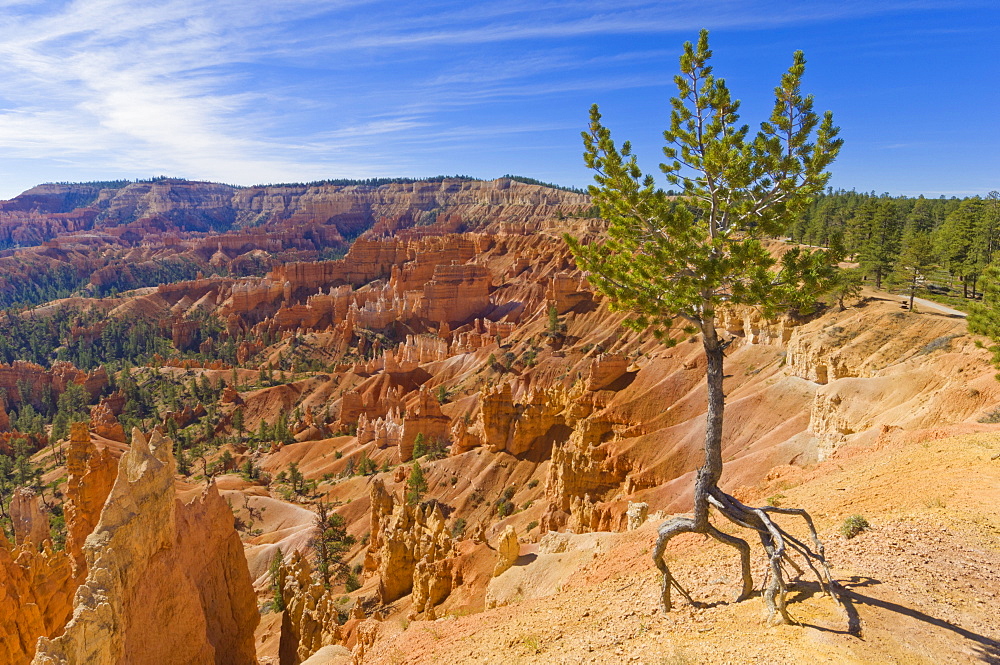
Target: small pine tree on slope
672	263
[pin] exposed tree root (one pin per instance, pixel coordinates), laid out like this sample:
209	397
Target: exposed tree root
781	548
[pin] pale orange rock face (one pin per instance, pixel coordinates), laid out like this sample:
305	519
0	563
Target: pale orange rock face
311	620
37	584
36	598
605	370
31	526
91	475
159	567
405	541
104	423
508	549
56	379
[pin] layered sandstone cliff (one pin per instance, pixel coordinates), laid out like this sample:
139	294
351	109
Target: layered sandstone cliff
49	210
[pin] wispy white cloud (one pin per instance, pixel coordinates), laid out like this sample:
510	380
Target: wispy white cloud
558	20
247	90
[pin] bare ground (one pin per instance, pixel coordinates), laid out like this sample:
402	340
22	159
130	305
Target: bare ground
922	585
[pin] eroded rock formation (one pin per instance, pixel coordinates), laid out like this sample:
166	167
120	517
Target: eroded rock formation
36	598
90	477
310	620
508	549
159	567
37	584
31	525
406	542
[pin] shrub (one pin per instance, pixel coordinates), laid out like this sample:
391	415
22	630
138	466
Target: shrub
533	484
853	526
531	525
991	417
505	508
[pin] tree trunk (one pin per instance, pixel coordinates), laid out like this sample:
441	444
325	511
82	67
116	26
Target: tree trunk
711	471
778	543
913	289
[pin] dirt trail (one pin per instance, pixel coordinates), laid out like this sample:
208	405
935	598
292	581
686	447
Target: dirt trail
920	304
936	307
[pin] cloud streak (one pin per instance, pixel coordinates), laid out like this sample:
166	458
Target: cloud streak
289	89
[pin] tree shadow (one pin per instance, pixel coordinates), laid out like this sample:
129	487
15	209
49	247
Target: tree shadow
986	649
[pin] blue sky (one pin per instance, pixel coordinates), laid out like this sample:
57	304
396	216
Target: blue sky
284	90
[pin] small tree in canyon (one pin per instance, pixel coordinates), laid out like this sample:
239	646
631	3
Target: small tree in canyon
331	543
673	262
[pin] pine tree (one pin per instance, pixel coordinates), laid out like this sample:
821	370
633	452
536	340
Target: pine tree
416	484
880	229
956	240
419	446
845	284
984	317
366	465
277	574
330	544
921	216
296	480
673	263
916	260
238	423
986	239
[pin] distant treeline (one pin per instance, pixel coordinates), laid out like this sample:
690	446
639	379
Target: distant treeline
115	184
34	285
367	182
956	237
338	182
552	185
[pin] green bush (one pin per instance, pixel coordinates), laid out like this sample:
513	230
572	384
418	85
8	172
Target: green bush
853	526
505	508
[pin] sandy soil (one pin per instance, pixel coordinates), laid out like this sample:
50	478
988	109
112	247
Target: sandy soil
922	585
